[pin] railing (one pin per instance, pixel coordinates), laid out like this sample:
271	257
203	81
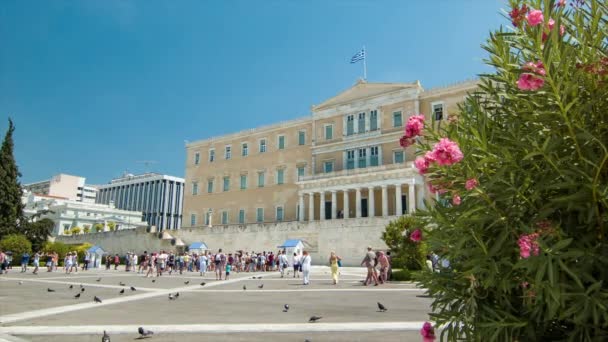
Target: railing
361	171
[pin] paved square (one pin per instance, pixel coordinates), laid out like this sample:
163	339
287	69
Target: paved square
219	310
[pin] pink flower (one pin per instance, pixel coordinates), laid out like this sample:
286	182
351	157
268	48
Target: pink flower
456	200
551	23
562	30
471	184
535	17
427	332
422	164
435	190
416	235
537	68
530	82
447	152
524	284
561	3
527	244
414	126
406	142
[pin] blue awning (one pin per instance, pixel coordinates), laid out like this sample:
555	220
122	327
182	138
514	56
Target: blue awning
96	249
198	245
290	243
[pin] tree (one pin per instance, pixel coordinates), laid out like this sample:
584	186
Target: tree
111	225
525	171
86	229
408	254
98	227
16	243
38	232
11	207
75	230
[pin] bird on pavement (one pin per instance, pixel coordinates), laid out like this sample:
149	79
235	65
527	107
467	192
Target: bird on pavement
105	337
50	290
133	289
381	307
187	282
285	307
82	289
203	284
314	319
244	287
71	287
261	286
176	295
96	299
122	291
171	297
121	284
77	295
20	282
98	280
154	280
144	333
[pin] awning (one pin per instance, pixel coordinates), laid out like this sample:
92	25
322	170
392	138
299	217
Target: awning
96	249
290	243
198	245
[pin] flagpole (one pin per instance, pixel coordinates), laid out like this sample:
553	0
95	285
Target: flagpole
364	64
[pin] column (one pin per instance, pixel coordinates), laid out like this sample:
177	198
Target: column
399	209
411	198
301	207
346	209
311	206
322	206
371	205
384	201
334	204
358	202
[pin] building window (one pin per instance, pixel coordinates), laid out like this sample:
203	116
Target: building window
373	120
211	155
197	158
302	138
195	188
210	186
281	142
279	213
280	176
224	217
328	166
261	176
259	215
226	183
243	182
228	152
438	111
361	123
397	119
207	218
329	132
350	159
192	220
300	173
262	145
398	157
362	158
373	159
350	125
242	216
244	149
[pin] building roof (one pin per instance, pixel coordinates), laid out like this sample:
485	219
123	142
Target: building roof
96	249
198	245
50	196
290	243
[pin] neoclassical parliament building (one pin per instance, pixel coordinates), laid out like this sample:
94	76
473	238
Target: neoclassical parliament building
341	162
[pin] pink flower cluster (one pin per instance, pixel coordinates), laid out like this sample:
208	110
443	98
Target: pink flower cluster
423	163
528	244
532	80
427	332
416	235
456	199
413	128
550	25
535	17
446	152
471	184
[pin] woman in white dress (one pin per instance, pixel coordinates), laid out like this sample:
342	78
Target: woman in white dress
202	263
306	264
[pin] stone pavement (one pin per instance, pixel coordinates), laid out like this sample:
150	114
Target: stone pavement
219	310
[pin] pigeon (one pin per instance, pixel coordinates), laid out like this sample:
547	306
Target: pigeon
50	290
154	280
77	296
96	299
133	289
261	286
171	297
105	337
122	284
176	295
244	287
260	277
381	307
98	280
122	291
82	289
144	333
81	286
71	287
20	283
314	319
203	284
285	307
187	282
306	340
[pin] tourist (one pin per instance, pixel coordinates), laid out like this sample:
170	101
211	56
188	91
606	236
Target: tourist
383	262
228	268
306	265
49	262
87	260
25	260
134	260
151	265
108	262
74	262
296	265
390	265
116	261
283	263
161	263
67	262
369	262
127	261
220	264
143	262
429	262
202	264
3	268
270	266
171	262
55	263
333	264
36	262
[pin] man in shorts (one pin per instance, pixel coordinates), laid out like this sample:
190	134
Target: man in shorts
219	265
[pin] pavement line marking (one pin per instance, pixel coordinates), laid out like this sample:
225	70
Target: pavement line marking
316	290
215	328
87	284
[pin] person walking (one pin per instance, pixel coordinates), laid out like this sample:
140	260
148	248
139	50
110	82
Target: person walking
36	262
202	263
333	264
296	265
306	265
220	264
3	268
369	263
383	262
116	261
87	260
25	260
283	263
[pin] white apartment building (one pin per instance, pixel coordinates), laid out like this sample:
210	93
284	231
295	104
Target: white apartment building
63	185
159	197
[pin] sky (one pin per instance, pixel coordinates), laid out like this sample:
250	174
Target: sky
95	87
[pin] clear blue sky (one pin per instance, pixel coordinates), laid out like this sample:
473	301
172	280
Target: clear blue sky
94	86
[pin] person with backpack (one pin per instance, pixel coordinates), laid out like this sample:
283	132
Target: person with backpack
283	263
296	265
219	264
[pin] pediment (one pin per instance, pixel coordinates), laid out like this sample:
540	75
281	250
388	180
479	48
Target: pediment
363	90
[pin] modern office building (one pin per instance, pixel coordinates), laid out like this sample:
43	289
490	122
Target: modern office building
158	197
68	186
342	161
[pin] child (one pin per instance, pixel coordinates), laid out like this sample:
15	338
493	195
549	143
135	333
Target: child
228	267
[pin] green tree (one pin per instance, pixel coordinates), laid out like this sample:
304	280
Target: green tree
38	232
524	170
11	208
16	243
86	229
75	230
61	248
408	254
98	227
112	225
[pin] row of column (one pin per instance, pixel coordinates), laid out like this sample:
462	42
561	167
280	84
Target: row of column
411	199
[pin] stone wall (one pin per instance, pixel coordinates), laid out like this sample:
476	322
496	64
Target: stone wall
348	238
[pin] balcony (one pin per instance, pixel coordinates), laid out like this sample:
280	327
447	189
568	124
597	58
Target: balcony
361	171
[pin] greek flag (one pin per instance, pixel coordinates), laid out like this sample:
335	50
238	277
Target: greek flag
358	56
